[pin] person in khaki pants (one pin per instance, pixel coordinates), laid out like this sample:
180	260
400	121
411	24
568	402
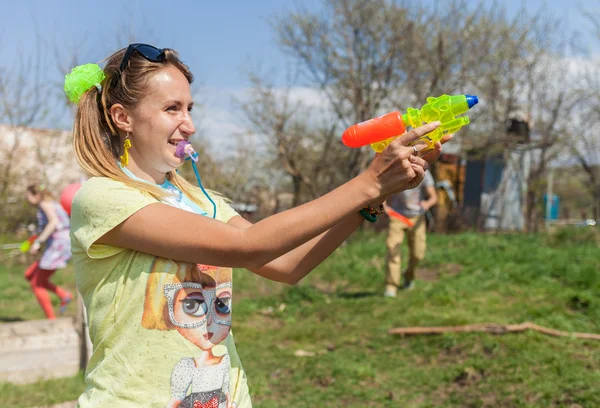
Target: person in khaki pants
411	204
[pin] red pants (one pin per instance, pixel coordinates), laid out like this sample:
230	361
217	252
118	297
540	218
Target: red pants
40	284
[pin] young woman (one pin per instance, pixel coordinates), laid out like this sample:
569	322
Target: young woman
147	245
53	233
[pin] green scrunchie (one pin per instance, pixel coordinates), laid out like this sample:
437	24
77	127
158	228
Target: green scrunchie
82	78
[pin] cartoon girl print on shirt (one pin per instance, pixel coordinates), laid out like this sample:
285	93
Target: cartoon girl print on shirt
195	301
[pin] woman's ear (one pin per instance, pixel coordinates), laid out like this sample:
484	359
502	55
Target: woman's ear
120	117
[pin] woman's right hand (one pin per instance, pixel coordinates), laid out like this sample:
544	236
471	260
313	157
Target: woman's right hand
396	168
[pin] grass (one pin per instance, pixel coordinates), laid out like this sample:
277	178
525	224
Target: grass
339	314
42	393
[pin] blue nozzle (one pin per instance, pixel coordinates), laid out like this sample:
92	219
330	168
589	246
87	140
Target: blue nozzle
472	100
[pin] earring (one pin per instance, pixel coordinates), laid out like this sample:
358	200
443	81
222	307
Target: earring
125	157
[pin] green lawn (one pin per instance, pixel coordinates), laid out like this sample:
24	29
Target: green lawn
338	313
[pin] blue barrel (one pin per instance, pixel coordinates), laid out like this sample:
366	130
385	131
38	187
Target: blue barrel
554	207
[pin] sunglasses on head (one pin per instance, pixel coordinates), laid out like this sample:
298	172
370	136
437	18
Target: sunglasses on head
150	52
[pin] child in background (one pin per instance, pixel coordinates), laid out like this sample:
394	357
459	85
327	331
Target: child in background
53	232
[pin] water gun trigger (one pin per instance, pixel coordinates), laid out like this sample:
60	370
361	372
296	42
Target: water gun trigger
445	128
427	141
380	146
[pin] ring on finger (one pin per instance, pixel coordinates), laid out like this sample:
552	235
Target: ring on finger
416	150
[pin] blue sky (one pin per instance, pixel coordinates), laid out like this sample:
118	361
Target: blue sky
217	39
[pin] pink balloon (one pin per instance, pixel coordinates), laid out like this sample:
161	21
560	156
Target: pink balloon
66	196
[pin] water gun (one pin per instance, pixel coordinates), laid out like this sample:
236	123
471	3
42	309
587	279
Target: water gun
379	132
26	245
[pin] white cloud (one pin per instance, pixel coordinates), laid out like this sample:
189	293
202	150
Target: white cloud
310	97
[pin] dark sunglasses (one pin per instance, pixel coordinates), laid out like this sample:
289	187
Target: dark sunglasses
149	52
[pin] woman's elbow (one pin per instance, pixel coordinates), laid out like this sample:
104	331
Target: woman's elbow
238	257
290	276
253	255
293	280
251	259
287	279
278	273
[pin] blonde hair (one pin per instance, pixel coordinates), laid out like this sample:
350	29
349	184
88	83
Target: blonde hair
95	137
165	271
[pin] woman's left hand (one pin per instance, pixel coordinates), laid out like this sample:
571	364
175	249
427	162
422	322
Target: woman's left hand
421	162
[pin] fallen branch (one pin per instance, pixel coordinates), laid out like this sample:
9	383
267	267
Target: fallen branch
490	328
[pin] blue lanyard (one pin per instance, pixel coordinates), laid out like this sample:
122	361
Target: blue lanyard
181	198
202	187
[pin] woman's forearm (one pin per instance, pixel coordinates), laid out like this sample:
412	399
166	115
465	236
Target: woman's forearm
301	224
296	264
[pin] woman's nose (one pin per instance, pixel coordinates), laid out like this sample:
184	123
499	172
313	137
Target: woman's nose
187	126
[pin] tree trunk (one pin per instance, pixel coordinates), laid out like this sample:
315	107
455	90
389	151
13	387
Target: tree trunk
531	211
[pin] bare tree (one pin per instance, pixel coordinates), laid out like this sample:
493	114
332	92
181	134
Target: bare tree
353	51
551	112
308	151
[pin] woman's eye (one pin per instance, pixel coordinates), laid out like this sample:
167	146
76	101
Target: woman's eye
172	108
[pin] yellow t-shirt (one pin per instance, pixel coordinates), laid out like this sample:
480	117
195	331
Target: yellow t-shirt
160	329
